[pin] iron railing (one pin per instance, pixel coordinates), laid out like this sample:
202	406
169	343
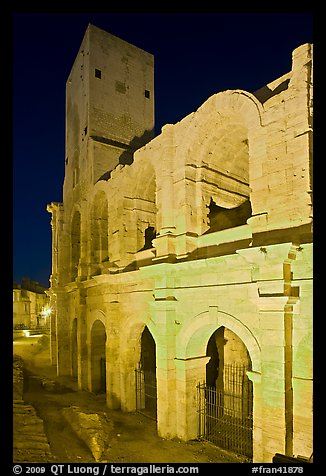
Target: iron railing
146	393
225	413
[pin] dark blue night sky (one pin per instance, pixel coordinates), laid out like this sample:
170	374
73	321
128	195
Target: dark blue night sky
196	56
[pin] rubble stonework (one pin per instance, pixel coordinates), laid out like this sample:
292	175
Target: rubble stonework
204	230
95	429
30	443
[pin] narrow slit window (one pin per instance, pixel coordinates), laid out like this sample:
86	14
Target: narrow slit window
147	93
98	73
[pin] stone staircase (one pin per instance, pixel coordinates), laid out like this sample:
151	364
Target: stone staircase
30	443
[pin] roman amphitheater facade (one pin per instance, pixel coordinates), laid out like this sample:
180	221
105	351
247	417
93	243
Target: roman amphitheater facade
199	238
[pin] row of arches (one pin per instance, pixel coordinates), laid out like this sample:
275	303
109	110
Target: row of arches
196	180
227	390
105	234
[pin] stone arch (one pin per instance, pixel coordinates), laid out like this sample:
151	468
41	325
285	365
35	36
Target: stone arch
130	340
97	315
98	338
226	114
193	339
130	355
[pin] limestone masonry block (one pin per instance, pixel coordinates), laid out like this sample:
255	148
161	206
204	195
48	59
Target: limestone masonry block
186	256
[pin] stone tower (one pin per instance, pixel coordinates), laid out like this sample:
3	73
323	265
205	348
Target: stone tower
109	109
109	115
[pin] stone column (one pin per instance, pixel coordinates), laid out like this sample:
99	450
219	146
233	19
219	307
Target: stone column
163	314
89	357
113	360
63	334
128	364
83	259
165	192
271	268
56	211
189	373
257	431
303	415
164	242
275	429
81	342
187	203
53	327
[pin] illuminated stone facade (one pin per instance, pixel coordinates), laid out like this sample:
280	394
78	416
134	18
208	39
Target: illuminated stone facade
205	229
30	307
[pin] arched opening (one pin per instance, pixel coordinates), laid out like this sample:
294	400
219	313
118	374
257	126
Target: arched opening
217	152
98	357
75	244
146	391
220	218
150	235
74	349
214	367
144	202
228	396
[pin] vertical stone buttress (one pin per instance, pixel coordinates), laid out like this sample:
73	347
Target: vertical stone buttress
273	390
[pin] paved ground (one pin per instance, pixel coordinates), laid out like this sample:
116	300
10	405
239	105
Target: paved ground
134	438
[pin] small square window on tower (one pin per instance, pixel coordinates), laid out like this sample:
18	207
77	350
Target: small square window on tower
98	73
147	94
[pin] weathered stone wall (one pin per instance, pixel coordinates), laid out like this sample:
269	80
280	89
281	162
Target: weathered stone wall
30	443
253	278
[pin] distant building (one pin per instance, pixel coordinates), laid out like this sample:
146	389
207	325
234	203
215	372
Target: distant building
182	271
31	305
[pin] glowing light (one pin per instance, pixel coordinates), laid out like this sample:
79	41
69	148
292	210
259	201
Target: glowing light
46	311
27	333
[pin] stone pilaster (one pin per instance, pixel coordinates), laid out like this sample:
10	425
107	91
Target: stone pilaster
189	372
164	314
272	339
113	359
257	431
271	269
53	329
164	187
81	342
128	363
63	334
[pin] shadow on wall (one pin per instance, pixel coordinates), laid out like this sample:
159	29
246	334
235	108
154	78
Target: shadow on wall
265	93
127	155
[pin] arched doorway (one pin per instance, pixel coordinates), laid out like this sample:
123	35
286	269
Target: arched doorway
74	349
146	392
226	397
98	357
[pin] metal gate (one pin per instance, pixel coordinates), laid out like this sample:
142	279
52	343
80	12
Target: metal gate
146	393
225	414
